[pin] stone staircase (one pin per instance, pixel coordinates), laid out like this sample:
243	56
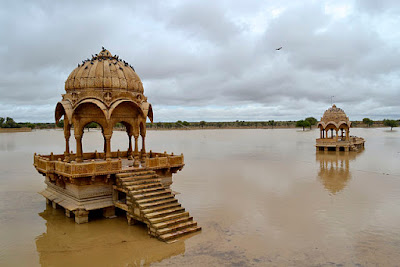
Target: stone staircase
149	202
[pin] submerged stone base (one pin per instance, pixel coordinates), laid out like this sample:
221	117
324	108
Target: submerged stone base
80	207
140	190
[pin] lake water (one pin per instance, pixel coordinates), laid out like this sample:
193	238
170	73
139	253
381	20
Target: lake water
262	197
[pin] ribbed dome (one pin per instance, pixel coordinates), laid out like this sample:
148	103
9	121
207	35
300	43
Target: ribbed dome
334	114
104	71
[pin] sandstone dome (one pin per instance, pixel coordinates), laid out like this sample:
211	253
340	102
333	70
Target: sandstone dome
334	114
104	71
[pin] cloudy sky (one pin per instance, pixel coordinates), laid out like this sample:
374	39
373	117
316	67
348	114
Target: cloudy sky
210	60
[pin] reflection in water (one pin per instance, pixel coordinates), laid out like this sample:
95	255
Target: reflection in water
9	144
334	169
102	242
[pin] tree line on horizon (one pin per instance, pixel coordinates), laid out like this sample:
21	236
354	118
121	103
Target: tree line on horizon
306	123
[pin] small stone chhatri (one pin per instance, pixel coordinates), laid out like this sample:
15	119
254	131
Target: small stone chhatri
335	132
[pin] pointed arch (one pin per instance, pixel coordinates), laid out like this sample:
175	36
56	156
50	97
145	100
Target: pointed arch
98	103
119	102
63	108
147	110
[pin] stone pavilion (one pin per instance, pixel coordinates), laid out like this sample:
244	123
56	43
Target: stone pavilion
106	90
335	132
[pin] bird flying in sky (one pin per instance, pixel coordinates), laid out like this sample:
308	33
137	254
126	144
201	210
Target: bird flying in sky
279	48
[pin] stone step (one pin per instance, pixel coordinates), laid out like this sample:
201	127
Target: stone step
138	178
143	186
152	194
161	208
169	217
176	227
172	222
157	203
143	191
147	181
150	200
163	213
132	174
169	236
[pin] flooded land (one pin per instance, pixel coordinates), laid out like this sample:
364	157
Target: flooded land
262	197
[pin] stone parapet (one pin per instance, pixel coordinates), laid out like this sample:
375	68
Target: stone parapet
94	165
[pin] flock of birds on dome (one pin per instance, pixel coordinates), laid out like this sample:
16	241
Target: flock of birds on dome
103	57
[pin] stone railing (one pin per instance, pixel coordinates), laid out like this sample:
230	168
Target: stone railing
164	160
357	140
95	164
330	141
45	164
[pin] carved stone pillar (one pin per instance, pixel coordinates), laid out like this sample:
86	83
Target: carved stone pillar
107	138
78	139
67	135
130	146
136	153
337	131
143	146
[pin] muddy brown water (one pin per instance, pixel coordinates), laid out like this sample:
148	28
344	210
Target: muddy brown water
262	197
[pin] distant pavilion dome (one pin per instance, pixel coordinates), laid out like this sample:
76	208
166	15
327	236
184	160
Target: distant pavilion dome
335	115
104	71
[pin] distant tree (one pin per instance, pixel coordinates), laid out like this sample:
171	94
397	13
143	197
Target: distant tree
1	122
303	123
10	123
368	122
185	123
178	124
202	124
271	123
391	123
60	124
94	125
312	121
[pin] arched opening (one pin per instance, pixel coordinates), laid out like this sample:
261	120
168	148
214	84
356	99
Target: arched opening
92	138
122	138
87	115
331	131
127	113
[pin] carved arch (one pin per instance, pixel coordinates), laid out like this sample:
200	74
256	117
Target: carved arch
118	102
147	110
98	103
63	108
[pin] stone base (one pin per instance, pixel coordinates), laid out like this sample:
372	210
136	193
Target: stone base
109	212
80	207
81	216
68	213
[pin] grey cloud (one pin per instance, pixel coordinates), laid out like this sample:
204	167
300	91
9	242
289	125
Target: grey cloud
204	60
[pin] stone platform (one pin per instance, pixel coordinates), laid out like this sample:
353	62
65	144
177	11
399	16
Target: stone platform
138	186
